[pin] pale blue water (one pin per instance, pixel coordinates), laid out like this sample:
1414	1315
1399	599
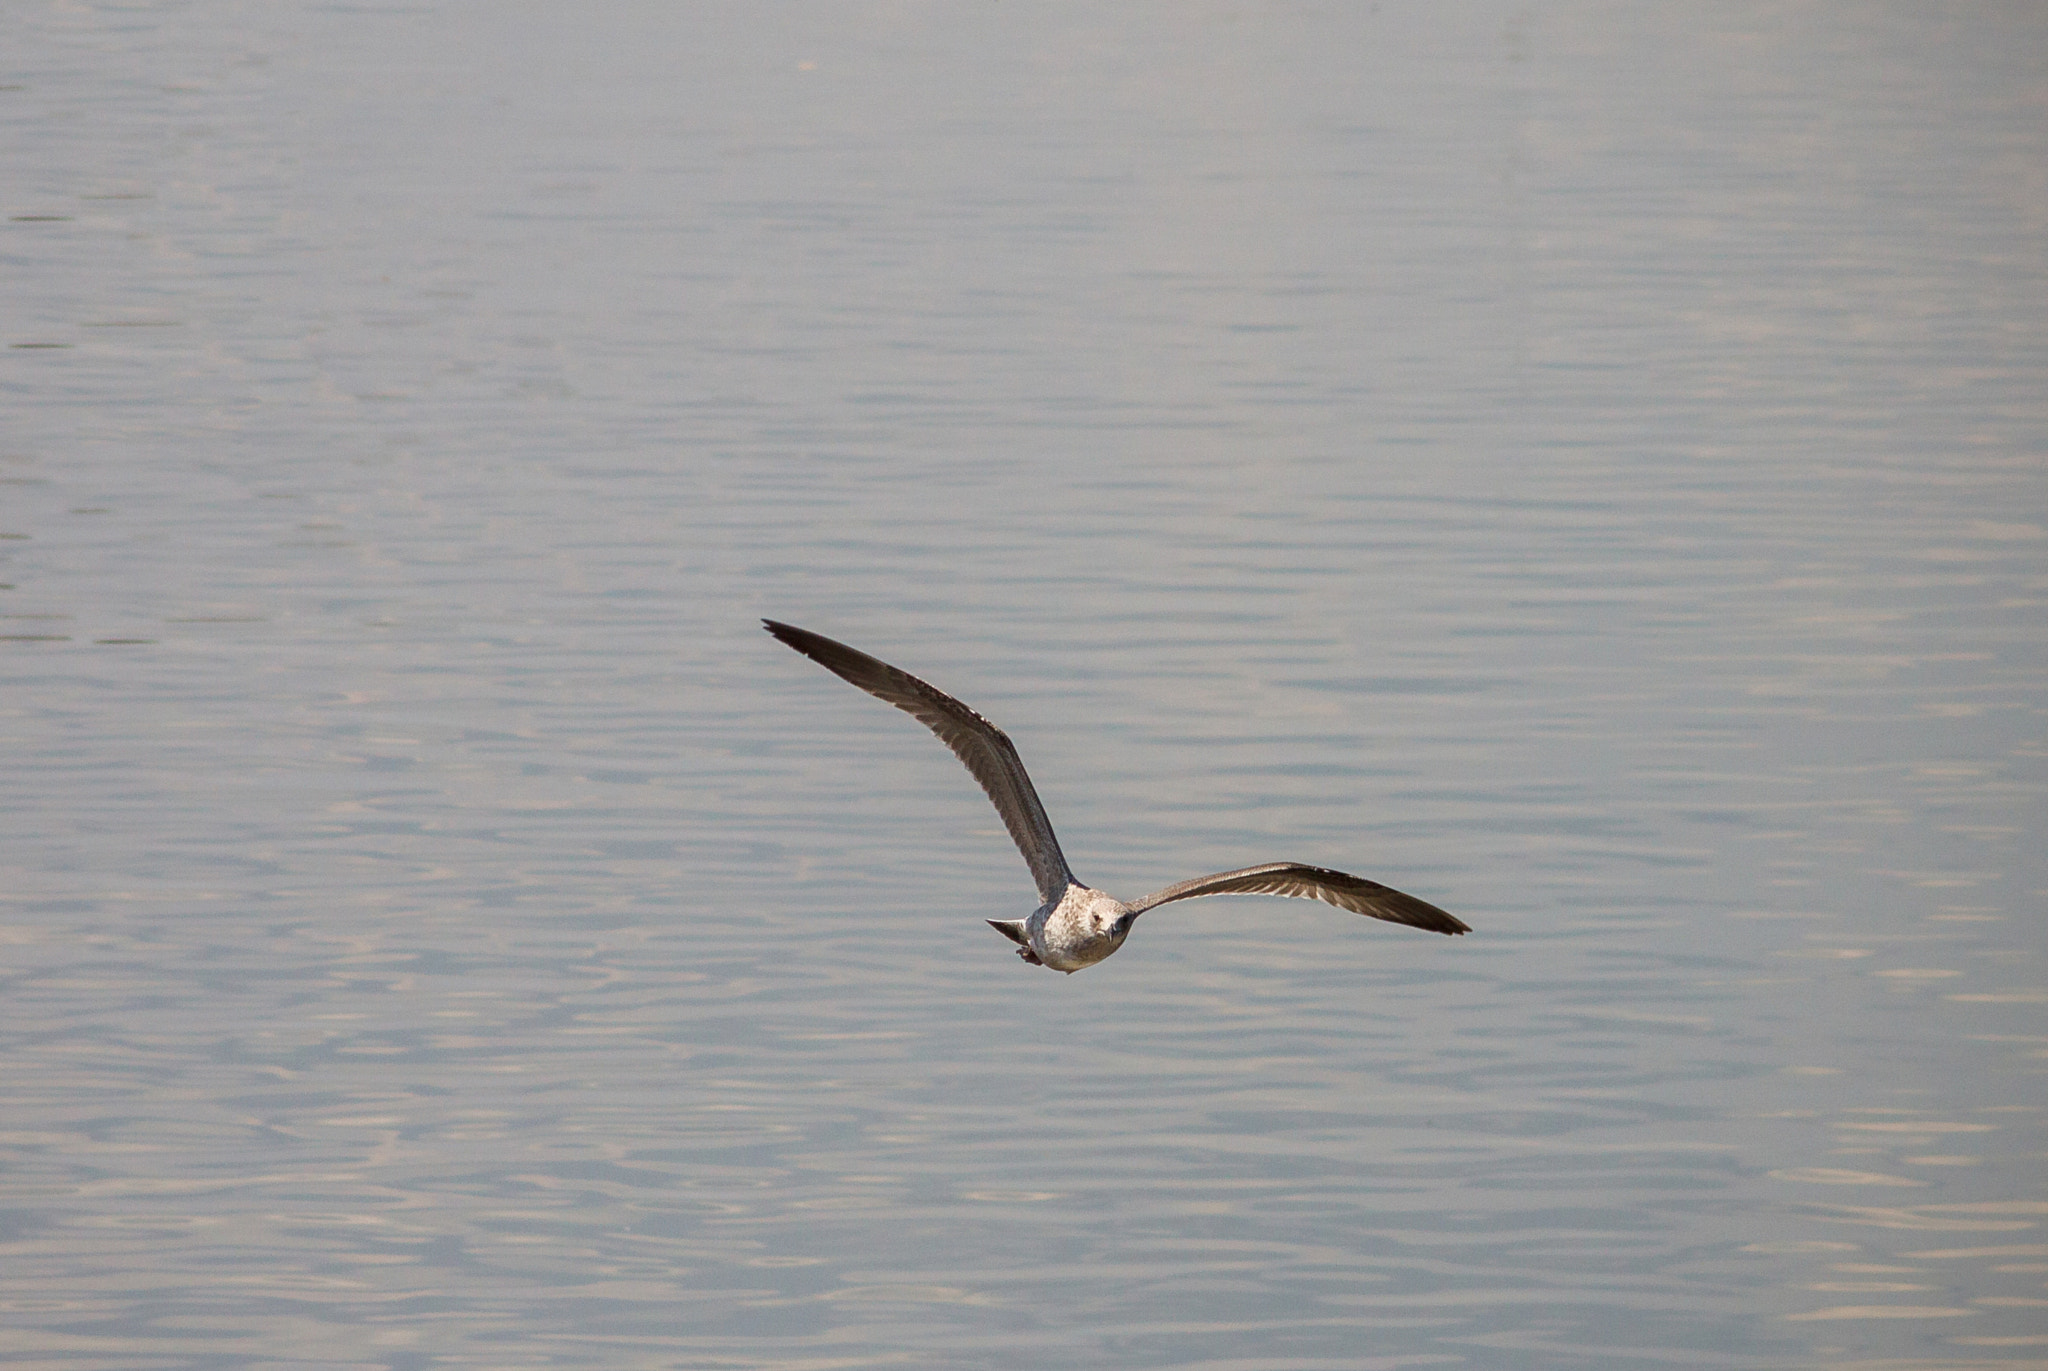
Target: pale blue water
1585	465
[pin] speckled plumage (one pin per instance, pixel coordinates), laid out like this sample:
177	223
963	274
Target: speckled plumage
1077	925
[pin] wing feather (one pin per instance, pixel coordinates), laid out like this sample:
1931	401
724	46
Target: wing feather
1339	888
985	749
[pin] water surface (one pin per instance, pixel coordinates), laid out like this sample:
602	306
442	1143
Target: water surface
1582	465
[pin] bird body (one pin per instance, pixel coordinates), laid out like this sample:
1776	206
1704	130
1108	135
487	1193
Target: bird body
1079	929
1077	925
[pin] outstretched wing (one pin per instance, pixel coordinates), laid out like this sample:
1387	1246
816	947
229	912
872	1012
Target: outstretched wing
1339	888
986	750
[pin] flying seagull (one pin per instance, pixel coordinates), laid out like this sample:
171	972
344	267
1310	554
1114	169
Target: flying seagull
1078	926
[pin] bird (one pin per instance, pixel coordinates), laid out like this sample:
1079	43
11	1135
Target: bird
1077	925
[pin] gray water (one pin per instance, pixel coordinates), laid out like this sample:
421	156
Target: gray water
1586	465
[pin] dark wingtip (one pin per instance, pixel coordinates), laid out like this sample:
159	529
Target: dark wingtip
1406	909
802	639
1448	924
829	653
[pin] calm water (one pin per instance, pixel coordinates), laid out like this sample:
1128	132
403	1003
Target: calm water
1584	464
